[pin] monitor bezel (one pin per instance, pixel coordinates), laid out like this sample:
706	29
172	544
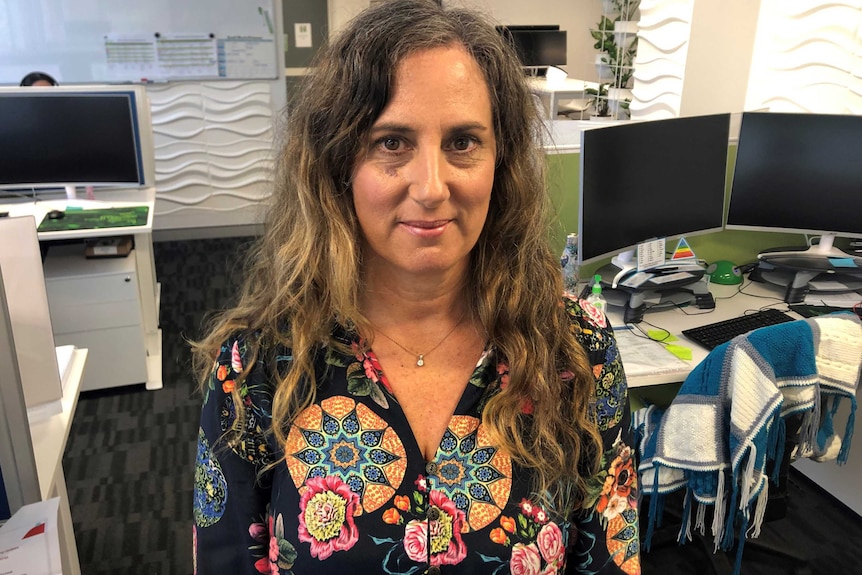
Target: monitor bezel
625	252
142	129
730	225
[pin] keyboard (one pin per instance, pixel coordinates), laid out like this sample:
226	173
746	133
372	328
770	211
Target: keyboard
714	334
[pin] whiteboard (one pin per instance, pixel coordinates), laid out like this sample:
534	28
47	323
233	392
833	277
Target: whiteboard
105	41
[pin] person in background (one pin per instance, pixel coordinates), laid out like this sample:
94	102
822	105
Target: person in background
402	387
38	79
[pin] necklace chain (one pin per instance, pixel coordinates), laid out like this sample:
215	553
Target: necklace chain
420	357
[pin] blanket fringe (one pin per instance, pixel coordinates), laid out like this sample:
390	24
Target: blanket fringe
848	432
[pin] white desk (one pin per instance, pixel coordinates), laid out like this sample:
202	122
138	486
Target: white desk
143	253
555	90
729	303
49	436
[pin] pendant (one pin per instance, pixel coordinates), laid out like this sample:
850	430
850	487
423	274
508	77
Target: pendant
421	361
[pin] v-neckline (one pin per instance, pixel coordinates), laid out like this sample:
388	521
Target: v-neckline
467	403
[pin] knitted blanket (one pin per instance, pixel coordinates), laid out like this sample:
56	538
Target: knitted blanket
726	423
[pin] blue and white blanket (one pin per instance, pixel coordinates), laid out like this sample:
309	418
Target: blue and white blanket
727	421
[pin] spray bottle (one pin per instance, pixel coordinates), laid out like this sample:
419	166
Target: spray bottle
596	298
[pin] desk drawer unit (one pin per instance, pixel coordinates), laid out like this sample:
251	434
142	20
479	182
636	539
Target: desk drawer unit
95	304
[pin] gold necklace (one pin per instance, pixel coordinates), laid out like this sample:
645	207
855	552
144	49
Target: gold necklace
420	357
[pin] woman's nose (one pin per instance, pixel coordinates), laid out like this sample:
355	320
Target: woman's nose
428	183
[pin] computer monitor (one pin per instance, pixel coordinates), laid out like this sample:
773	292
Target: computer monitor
537	46
75	136
648	180
798	172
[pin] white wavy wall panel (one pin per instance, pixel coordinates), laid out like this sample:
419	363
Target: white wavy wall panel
213	151
663	38
807	58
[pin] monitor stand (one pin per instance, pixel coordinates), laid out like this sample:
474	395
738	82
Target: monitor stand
795	268
635	301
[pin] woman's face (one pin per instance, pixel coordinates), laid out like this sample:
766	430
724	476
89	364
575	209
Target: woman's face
422	189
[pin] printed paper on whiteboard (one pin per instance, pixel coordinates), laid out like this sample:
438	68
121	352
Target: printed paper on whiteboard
302	32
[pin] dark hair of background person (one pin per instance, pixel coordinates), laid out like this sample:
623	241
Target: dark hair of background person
305	274
34	77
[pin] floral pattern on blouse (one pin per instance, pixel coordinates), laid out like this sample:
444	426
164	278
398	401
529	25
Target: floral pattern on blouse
355	494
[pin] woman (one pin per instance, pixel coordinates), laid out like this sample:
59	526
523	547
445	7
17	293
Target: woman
401	388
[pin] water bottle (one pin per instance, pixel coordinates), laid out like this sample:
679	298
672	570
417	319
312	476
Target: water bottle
569	263
596	298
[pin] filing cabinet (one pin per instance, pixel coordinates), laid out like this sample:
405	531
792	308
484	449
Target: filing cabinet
96	304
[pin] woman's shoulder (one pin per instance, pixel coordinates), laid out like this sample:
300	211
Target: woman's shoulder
241	363
584	314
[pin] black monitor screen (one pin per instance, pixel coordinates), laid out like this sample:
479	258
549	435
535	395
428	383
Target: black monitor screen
653	179
60	139
799	173
537	46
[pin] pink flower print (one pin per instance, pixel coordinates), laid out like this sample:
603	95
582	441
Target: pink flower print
526	507
370	372
326	516
525	560
263	566
415	540
258	532
273	545
273	555
447	547
550	542
421	484
235	359
503	372
539	515
595	315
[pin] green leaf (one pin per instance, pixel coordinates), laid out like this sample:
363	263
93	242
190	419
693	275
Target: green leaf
522	522
359	386
336	359
355	368
378	396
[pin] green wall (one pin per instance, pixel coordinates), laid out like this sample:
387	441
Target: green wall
737	246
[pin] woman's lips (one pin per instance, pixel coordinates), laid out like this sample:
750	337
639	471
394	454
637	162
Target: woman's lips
426	229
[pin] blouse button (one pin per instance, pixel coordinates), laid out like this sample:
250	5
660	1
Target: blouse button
431	468
433	514
433	570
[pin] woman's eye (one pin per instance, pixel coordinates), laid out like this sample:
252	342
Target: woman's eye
462	143
391	144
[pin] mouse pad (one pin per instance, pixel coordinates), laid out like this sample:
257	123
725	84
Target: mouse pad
96	219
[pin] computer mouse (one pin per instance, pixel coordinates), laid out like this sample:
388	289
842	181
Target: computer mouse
56	215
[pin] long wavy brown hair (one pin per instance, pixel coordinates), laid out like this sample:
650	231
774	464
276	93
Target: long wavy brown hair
304	276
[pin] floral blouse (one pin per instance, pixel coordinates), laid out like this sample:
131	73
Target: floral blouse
355	494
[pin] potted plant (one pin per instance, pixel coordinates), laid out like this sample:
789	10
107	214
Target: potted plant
616	39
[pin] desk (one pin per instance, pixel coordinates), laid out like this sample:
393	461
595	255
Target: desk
556	90
729	303
144	262
49	436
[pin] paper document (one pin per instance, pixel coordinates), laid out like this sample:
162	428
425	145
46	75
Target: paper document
845	299
30	541
643	356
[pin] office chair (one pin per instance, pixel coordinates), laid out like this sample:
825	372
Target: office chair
756	550
743	410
